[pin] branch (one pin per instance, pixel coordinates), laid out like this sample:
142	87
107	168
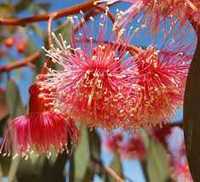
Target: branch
176	124
112	173
18	64
108	170
45	17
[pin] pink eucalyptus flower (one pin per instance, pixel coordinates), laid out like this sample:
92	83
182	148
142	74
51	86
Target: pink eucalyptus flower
42	129
161	76
95	78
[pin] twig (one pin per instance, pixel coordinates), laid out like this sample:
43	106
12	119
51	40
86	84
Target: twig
108	170
18	64
98	9
45	17
112	173
49	30
176	124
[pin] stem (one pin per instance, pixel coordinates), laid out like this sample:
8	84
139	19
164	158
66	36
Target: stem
18	64
112	173
49	31
109	171
45	17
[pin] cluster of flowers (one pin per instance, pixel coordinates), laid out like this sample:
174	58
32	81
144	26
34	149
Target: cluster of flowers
127	147
132	147
101	82
18	40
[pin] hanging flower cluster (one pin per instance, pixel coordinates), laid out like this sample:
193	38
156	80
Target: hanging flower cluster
161	77
43	129
95	80
103	85
101	81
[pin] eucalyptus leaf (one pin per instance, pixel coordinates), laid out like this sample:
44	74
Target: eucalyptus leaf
158	167
13	99
82	155
95	145
65	30
116	165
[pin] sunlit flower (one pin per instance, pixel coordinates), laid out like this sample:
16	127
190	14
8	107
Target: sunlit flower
42	129
95	77
161	76
156	11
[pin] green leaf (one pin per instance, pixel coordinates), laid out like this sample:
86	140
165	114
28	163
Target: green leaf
191	114
3	124
157	162
13	99
95	145
22	5
6	9
65	30
5	163
82	155
116	165
88	175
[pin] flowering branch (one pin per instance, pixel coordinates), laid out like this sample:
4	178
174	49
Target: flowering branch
18	64
45	17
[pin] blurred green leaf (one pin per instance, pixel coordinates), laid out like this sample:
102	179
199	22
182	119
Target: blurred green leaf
6	9
88	175
95	145
30	170
39	8
5	163
3	105
13	99
65	30
157	162
22	5
3	124
82	155
116	165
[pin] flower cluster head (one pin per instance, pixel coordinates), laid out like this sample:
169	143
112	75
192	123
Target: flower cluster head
104	82
95	78
43	129
161	79
156	11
